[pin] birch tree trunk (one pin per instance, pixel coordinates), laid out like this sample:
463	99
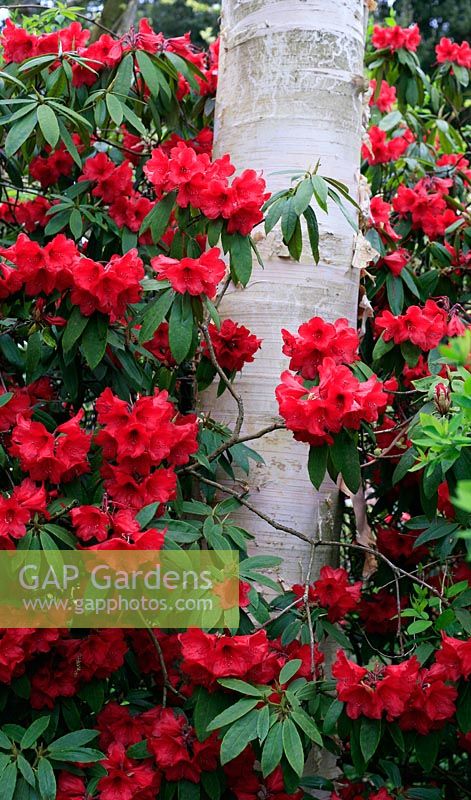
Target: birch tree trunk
288	95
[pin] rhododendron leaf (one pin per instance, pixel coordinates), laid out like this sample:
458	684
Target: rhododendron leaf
242	687
274	213
272	749
317	464
263	723
93	344
292	746
307	725
211	784
370	737
409	280
46	780
313	232
152	74
155	314
214	230
8	781
35	730
124	75
437	530
344	453
187	790
33	356
419	626
133	119
76	223
138	750
407	460
463	709
260	562
303	194
295	244
289	670
426	749
321	191
48	124
5	743
395	291
346	213
289	218
26	770
157	219
19	133
239	735
94	694
234	712
389	121
73	740
86	755
411	353
381	348
146	514
331	717
240	258
181	327
73	330
115	108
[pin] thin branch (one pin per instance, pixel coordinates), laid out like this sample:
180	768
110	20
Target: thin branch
227	382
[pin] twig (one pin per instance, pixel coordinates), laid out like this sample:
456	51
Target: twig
227	382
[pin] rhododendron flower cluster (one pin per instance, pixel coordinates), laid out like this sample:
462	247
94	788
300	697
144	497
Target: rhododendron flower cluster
424	327
454	53
58	266
396	38
18	508
58	457
386	96
332	591
426	204
317	340
136	441
418	698
339	400
204	185
193	275
379	150
30	214
233	345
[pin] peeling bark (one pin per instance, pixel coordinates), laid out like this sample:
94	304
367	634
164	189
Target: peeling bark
289	94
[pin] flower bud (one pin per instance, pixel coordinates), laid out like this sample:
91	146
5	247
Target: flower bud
442	398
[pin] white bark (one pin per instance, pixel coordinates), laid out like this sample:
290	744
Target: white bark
288	95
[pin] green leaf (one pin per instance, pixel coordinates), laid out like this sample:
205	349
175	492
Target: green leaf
150	72
240	259
289	670
85	755
317	464
74	329
346	459
32	734
426	749
273	214
289	219
313	232
395	292
208	705
73	740
93	344
303	195
115	108
26	770
19	133
370	737
187	790
8	781
46	780
295	244
76	223
33	355
344	210
158	217
463	709
155	315
292	746
242	687
331	717
321	191
308	725
232	713
5	743
381	348
263	724
419	626
272	749
180	333
238	736
138	750
48	124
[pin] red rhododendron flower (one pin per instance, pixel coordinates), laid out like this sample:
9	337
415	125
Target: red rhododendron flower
455	656
193	275
233	345
207	657
71	787
379	150
333	591
108	288
315	341
424	327
396	38
451	52
127	779
395	261
386	96
159	346
57	457
177	751
340	400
